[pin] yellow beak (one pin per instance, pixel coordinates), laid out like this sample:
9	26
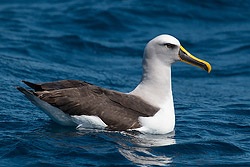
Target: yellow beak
186	57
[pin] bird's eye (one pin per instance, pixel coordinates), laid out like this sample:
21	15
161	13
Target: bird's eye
169	45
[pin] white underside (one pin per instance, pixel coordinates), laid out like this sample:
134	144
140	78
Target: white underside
54	113
86	121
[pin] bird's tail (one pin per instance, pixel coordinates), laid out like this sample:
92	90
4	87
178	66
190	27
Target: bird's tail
54	113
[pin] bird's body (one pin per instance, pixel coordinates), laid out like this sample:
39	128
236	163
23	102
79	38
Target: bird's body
119	111
148	108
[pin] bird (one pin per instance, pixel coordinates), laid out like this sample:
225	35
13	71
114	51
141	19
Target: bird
149	108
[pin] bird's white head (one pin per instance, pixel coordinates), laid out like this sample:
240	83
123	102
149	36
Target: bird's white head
166	49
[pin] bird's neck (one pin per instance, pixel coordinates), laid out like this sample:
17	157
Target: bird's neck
155	86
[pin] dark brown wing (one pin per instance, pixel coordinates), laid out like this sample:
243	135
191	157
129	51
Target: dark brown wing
132	102
119	111
56	85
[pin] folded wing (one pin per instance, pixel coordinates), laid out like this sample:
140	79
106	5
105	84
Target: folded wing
119	111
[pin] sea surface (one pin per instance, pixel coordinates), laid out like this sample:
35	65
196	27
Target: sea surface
102	42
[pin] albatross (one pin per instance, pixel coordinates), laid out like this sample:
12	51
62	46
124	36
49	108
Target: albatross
149	108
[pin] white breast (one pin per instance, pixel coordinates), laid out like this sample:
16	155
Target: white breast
161	123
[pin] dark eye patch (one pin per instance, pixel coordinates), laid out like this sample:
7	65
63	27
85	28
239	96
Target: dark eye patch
169	45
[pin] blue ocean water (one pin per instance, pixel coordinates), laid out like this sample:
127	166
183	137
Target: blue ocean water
102	42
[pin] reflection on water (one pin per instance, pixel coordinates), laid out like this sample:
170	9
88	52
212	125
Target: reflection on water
150	140
143	157
135	146
140	153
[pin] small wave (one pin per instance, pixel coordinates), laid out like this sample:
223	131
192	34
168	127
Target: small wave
205	148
